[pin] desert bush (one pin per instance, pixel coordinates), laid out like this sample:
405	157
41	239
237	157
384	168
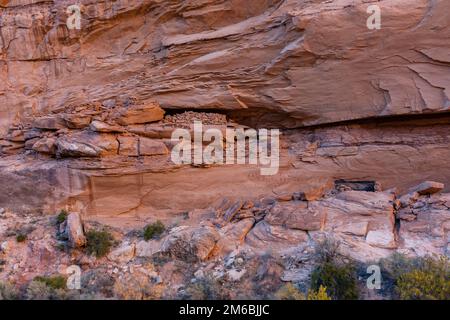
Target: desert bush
398	264
289	292
62	216
207	288
97	282
21	237
430	280
265	274
320	294
327	250
38	290
131	288
154	230
339	279
21	233
99	243
50	288
8	292
53	282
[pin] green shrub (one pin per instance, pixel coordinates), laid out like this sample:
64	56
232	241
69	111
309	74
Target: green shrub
154	230
99	243
61	217
289	292
338	279
430	280
54	282
21	237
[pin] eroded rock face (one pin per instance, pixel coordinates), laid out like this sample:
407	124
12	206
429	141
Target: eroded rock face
264	58
86	118
425	225
75	230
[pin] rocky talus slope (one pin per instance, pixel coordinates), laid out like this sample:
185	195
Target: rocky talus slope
86	119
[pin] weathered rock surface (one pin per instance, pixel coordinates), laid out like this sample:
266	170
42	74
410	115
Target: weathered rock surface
86	144
86	117
123	254
75	230
190	244
264	58
137	114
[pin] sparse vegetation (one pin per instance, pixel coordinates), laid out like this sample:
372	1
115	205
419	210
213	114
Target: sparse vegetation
97	282
21	237
54	282
8	292
320	294
99	243
339	278
154	230
62	216
206	289
131	288
424	278
289	292
327	250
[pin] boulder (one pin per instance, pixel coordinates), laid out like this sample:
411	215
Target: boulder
86	144
190	243
146	248
123	254
297	215
428	187
150	147
45	145
269	237
75	231
137	114
232	235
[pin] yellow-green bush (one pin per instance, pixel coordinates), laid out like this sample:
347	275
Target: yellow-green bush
429	281
338	279
320	294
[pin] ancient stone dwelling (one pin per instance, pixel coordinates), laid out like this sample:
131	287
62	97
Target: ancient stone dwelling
87	116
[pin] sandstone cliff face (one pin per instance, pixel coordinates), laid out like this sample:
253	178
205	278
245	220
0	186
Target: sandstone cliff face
86	118
266	62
